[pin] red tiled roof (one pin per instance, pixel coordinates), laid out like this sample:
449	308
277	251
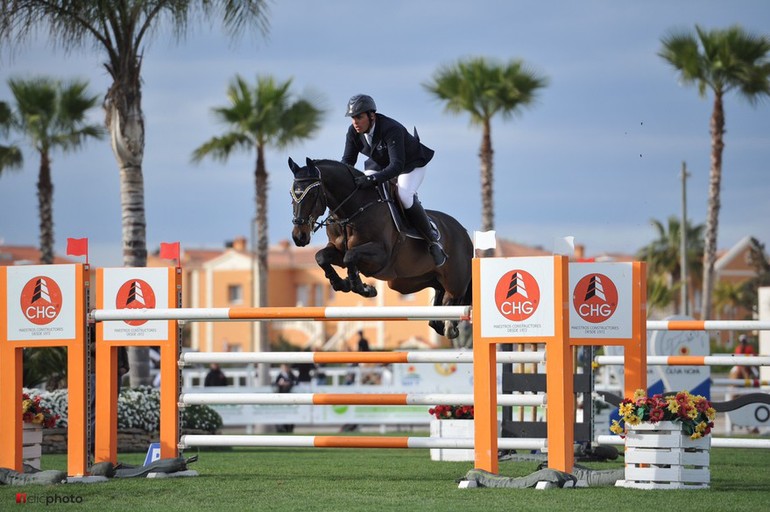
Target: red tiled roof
25	255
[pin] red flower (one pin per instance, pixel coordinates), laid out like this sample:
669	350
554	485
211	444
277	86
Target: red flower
656	414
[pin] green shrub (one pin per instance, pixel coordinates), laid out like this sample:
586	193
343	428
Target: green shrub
137	408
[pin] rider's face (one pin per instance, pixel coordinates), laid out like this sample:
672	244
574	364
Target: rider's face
361	122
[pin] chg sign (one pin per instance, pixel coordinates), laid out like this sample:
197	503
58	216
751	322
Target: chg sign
40	303
518	297
601	296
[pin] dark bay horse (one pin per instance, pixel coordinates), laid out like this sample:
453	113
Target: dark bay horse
363	238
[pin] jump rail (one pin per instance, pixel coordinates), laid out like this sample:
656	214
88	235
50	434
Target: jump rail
457	356
189	441
708	325
377	313
350	399
716	442
281	313
692	360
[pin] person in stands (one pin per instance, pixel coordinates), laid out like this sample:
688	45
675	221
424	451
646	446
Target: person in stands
744	372
215	376
393	153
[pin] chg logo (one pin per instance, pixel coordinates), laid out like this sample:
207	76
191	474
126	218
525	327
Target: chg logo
517	295
41	300
595	298
135	294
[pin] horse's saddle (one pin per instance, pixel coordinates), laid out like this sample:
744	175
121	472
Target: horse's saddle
388	195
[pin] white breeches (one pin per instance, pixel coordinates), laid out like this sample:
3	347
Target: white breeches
407	185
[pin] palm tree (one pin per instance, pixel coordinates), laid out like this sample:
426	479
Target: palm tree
257	117
10	155
663	254
484	89
728	298
52	115
121	29
720	61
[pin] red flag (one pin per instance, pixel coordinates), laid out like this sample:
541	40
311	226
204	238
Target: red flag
169	251
77	247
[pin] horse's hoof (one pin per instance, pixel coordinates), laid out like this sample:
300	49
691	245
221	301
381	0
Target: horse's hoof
370	291
341	286
453	332
437	326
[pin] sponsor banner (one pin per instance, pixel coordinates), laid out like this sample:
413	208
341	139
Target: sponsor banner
41	302
517	297
135	288
601	298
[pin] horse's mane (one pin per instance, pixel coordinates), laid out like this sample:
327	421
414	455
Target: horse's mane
326	163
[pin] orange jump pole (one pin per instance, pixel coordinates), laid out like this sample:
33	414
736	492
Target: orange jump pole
43	306
146	289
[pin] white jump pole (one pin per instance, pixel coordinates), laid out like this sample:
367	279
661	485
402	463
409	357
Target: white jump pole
281	313
692	360
222	440
716	442
350	399
189	358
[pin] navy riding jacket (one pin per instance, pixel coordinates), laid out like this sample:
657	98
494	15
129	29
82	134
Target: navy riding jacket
393	151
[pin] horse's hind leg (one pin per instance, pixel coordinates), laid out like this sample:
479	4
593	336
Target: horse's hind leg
438	299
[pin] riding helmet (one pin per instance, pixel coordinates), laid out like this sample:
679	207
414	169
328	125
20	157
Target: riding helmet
360	103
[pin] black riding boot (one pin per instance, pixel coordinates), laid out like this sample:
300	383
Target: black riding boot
419	219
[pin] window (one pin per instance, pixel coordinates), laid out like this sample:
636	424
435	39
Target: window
303	295
235	294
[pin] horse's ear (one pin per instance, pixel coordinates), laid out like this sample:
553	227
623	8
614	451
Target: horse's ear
293	166
309	162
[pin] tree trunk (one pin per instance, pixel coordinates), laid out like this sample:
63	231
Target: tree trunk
45	207
260	179
126	125
712	215
487	182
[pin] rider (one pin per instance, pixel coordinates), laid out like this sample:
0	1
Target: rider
393	152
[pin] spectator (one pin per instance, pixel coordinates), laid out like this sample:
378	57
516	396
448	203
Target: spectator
305	372
746	349
215	376
363	343
284	383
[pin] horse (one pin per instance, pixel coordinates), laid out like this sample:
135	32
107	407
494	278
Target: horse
364	239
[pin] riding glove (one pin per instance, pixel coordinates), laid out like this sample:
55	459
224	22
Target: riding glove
363	182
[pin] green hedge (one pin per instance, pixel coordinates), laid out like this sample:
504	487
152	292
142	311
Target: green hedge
137	408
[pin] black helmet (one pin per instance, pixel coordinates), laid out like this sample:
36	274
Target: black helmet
360	103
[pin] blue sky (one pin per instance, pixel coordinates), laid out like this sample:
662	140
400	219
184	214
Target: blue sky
597	156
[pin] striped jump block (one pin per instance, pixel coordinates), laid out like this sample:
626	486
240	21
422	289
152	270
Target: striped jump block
660	456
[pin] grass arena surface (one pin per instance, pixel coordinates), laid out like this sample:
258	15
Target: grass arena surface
378	479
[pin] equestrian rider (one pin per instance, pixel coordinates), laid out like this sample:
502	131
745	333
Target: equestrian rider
393	152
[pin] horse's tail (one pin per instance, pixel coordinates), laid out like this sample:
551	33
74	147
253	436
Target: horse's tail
468	297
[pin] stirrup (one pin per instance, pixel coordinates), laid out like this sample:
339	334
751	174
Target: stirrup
438	254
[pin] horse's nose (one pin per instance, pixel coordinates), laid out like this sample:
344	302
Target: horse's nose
301	238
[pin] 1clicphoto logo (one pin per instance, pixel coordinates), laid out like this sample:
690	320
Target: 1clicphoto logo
55	499
41	300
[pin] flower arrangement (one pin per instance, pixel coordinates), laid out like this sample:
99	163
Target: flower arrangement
694	412
452	412
32	411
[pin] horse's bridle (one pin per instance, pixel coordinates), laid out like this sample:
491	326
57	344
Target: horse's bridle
311	221
297	199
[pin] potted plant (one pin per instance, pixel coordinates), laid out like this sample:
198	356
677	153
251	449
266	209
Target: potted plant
452	421
667	443
35	417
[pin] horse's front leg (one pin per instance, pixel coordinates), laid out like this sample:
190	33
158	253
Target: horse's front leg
327	257
369	255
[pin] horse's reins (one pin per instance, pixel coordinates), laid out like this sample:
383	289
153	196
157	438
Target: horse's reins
342	222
